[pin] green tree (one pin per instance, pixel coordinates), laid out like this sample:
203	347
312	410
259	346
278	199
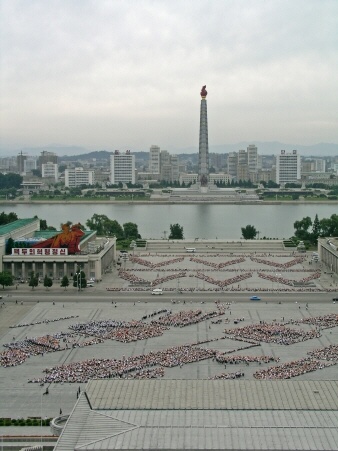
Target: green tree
130	230
315	230
249	232
47	282
10	180
6	279
176	232
302	229
79	279
9	245
7	218
33	280
65	282
105	226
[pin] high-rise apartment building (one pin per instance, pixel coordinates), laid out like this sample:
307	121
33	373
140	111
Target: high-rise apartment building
169	167
244	164
122	168
20	162
50	170
78	176
232	164
47	157
287	167
154	159
252	153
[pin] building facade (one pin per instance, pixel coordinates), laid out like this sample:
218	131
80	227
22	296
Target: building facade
154	159
288	167
50	170
79	176
122	168
95	257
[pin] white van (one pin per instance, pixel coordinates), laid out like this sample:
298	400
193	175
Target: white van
157	291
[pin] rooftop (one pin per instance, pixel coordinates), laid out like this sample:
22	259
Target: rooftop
203	414
8	228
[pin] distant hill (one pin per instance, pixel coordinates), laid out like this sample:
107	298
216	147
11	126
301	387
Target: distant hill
268	148
264	148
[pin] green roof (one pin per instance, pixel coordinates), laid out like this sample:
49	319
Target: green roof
9	228
50	233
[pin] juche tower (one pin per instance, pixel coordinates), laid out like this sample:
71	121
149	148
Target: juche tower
203	160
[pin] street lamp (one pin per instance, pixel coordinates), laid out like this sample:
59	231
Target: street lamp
78	275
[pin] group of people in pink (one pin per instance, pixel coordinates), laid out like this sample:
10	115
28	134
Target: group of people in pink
319	359
214	283
272	333
218	265
224	283
142	261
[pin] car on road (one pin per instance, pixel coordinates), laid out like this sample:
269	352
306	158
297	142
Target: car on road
255	298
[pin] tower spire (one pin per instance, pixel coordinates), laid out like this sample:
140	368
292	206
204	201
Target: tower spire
203	152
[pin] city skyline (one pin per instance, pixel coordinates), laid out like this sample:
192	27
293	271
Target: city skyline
126	75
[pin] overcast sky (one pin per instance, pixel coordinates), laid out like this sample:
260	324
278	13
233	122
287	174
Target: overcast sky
113	74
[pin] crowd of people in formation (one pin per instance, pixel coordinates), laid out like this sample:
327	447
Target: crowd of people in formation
272	333
156	312
185	318
321	322
231	288
285	281
160	280
329	353
192	270
224	283
127	367
319	358
45	321
281	266
151	265
226	358
235	375
130	276
218	265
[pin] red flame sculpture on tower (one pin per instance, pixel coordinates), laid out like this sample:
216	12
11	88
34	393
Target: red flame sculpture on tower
204	92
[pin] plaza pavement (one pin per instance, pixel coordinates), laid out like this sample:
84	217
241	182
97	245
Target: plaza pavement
22	399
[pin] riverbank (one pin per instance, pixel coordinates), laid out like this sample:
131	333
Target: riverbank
166	202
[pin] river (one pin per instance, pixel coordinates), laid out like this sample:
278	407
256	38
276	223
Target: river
208	221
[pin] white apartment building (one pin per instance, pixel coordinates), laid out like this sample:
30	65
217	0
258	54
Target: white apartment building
122	168
220	177
288	167
252	158
154	159
79	176
50	170
188	178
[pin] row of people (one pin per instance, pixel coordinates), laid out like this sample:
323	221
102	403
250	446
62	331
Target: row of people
292	369
151	265
218	265
293	270
226	358
226	376
160	280
293	262
224	283
322	322
272	333
111	368
45	321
